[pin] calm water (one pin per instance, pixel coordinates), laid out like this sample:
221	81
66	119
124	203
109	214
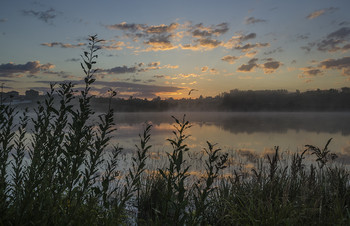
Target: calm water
253	132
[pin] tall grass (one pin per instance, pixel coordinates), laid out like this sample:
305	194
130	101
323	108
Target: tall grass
64	171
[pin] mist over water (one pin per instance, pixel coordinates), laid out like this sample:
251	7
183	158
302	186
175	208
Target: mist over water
253	132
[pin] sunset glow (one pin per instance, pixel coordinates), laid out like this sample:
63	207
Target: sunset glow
163	48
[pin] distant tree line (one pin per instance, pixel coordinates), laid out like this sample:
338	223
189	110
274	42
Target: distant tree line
238	100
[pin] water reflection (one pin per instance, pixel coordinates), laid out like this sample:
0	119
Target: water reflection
251	132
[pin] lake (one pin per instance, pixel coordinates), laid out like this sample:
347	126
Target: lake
256	133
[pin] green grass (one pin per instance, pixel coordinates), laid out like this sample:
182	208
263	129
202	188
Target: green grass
64	171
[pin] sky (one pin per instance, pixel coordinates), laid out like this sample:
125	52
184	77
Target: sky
167	48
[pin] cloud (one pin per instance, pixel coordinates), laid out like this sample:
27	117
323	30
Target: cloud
253	20
214	71
318	13
201	31
153	29
32	67
45	16
238	39
159	43
127	27
243	38
160	29
140	67
167	37
113	45
153	64
230	59
62	45
337	64
249	47
209	43
248	67
279	50
332	43
193	75
271	66
202	44
3	20
137	90
309	72
121	70
170	66
251	54
204	69
315	14
341	64
341	33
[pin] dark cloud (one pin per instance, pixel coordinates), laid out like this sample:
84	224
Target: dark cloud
121	70
277	50
341	64
236	41
209	43
248	67
203	44
220	29
159	42
127	27
249	46
309	72
159	29
271	66
333	42
337	64
136	36
62	45
61	74
153	64
230	59
3	20
46	16
307	48
144	29
253	20
140	90
247	37
112	45
201	31
199	34
318	13
140	67
32	67
341	33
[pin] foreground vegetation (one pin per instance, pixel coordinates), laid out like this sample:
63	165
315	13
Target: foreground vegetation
63	171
